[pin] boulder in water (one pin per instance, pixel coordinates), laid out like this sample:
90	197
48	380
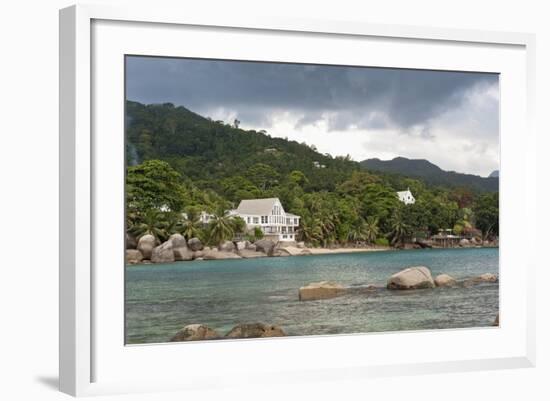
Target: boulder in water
266	246
133	256
444	280
163	253
255	330
484	278
320	290
146	244
131	242
411	278
488	277
195	244
198	254
179	247
227	246
194	332
240	245
178	241
279	251
181	254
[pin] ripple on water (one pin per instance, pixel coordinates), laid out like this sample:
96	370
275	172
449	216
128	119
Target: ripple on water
160	299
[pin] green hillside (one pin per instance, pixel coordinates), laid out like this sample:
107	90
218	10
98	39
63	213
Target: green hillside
207	151
181	161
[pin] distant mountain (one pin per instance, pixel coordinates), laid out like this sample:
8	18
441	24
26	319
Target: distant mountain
494	174
431	174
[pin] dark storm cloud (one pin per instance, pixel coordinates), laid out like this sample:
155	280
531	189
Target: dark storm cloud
344	97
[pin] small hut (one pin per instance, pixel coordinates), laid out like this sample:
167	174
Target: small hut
446	239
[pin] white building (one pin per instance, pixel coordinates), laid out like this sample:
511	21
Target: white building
205	217
406	197
316	164
269	215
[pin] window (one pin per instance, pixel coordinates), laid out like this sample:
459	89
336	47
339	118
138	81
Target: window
255	219
264	219
295	222
248	220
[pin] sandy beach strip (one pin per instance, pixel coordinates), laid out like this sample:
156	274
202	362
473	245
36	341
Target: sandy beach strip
326	251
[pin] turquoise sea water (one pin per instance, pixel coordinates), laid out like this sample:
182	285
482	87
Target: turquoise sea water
161	299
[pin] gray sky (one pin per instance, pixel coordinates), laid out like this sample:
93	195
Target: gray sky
448	118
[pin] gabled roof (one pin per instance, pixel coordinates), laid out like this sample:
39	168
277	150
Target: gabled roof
404	193
257	206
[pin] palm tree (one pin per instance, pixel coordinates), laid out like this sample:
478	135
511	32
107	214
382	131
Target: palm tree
371	229
310	230
327	222
238	224
221	228
357	231
400	230
131	219
191	226
151	222
172	223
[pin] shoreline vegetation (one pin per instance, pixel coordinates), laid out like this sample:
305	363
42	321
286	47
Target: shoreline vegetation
186	173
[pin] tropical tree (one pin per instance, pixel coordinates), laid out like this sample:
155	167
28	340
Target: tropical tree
154	185
258	233
487	215
172	223
328	221
238	225
298	178
220	228
237	187
371	229
262	175
400	230
310	230
357	231
191	225
151	222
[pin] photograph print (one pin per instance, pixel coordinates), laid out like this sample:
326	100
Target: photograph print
268	199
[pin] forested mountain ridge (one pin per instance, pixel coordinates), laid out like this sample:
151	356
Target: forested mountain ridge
203	149
431	174
186	162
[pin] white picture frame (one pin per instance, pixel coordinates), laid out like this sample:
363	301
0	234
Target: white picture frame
94	361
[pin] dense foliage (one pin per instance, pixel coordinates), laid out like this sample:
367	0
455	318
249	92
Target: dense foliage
180	162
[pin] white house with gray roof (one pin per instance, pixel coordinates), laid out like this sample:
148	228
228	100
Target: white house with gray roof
270	216
406	197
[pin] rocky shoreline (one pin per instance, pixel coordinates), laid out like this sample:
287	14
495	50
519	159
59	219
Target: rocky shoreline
147	250
177	248
411	278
